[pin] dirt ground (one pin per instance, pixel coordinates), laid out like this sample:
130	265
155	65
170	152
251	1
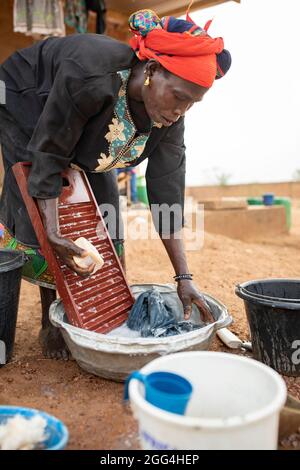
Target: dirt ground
92	407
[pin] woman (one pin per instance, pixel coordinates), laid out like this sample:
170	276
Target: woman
96	104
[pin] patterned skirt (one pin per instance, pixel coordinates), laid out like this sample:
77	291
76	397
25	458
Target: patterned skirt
36	270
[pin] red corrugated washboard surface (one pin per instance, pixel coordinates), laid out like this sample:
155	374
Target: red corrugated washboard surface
102	301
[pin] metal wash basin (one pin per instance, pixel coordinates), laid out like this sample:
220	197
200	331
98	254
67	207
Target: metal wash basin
114	356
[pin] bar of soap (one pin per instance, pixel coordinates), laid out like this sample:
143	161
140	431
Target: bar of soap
93	255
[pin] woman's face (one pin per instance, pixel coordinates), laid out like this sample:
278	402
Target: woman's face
168	96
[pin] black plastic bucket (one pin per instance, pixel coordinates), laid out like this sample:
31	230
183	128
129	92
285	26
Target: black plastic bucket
11	263
273	312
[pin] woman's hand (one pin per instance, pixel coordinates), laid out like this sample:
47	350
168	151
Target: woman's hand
189	295
66	249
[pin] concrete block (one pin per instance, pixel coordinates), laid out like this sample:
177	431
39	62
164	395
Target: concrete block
253	222
224	203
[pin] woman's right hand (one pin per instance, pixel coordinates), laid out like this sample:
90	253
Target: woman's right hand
66	249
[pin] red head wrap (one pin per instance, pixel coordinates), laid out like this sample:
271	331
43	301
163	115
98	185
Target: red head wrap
180	46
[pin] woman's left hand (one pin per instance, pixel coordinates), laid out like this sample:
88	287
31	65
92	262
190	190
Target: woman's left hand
189	295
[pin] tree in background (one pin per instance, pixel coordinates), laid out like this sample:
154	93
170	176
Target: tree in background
296	175
222	177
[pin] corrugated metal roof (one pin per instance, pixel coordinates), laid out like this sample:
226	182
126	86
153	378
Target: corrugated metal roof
166	7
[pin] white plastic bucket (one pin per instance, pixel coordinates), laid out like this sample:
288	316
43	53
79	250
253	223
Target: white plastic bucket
235	404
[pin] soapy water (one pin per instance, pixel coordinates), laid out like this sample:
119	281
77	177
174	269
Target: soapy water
124	332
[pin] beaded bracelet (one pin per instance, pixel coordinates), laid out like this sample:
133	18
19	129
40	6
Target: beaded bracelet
180	277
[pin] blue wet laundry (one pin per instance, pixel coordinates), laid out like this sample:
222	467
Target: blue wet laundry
152	316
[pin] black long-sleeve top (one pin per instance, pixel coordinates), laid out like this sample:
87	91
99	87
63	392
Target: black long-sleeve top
62	93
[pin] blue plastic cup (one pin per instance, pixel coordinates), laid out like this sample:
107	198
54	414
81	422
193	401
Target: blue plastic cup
168	391
268	199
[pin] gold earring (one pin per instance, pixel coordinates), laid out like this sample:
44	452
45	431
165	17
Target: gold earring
147	82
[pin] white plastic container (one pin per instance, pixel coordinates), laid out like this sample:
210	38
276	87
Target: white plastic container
235	404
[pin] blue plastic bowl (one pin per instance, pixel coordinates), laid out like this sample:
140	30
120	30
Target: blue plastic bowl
56	431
